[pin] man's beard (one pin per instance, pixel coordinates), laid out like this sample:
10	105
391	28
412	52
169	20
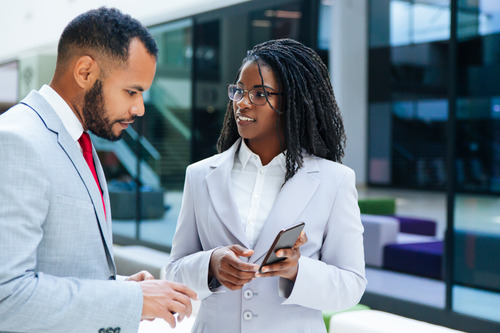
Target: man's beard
95	114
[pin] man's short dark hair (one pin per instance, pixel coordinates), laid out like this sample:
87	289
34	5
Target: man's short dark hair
106	31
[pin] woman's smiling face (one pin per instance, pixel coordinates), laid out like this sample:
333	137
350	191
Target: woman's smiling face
257	123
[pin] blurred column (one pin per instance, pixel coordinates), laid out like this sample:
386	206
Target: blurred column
348	64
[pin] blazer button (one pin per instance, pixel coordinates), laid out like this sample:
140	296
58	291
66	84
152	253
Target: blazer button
247	315
112	277
248	294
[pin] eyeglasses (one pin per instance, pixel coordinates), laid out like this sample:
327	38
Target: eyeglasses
257	95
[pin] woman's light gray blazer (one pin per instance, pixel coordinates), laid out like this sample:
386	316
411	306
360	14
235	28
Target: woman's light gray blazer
331	272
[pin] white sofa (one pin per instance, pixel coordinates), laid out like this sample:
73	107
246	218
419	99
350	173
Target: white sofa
379	231
382	230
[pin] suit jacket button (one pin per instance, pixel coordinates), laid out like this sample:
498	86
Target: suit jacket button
247	315
112	277
248	294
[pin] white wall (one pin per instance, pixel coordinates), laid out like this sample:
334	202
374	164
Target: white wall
34	25
348	64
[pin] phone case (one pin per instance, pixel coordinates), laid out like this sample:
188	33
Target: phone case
285	239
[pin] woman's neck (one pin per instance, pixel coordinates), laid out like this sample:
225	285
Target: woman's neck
265	150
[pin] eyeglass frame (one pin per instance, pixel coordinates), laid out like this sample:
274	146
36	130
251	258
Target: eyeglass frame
249	95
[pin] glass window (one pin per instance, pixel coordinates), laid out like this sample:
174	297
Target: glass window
155	151
475	18
404	22
477	246
408	114
325	24
476	212
273	23
410	76
489	17
431	21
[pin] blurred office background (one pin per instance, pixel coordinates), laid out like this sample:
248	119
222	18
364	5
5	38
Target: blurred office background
417	84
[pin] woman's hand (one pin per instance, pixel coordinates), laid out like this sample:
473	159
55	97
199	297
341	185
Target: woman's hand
229	269
289	267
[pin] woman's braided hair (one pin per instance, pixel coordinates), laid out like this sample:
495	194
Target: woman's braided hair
310	115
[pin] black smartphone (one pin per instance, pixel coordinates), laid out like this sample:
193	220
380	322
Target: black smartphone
285	239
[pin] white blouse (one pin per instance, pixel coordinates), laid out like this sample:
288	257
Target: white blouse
255	188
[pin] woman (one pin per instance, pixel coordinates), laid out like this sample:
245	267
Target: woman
280	148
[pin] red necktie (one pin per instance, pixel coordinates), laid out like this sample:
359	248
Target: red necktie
87	154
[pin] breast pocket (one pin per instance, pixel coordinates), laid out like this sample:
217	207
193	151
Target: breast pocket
74	202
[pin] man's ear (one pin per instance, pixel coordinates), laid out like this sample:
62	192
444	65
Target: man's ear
86	72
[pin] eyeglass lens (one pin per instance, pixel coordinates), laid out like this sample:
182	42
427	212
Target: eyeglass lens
257	95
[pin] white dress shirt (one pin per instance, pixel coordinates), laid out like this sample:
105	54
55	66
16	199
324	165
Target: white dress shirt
255	188
69	119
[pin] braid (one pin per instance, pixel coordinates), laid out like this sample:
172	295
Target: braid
312	120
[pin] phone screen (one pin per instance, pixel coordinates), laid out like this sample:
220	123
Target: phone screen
285	239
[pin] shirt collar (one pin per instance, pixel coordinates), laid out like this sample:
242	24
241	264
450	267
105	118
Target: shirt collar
245	154
70	121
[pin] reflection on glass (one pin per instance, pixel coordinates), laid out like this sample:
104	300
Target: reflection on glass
404	110
476	302
418	143
489	16
419	21
431	21
478	145
279	22
169	104
432	110
478	18
477	163
380	144
477	245
325	24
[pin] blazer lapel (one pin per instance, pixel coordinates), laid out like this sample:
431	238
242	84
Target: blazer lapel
38	104
219	188
292	200
102	182
104	219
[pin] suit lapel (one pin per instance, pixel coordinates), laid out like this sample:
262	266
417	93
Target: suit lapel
104	221
38	104
102	182
219	188
292	200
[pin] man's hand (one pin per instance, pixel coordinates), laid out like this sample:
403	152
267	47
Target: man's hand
141	276
289	267
163	299
229	270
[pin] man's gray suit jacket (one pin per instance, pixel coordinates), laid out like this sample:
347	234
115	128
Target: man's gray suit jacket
56	258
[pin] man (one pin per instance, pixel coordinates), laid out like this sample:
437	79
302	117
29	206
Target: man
57	272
